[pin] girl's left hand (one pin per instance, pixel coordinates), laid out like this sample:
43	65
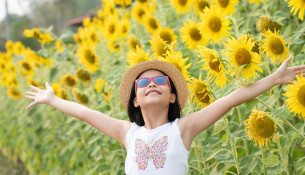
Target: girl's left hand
286	75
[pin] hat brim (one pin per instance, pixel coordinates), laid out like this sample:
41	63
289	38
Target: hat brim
165	67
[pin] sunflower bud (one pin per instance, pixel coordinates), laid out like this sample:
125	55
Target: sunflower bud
264	23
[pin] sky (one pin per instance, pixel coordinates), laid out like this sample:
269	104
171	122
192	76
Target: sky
14	7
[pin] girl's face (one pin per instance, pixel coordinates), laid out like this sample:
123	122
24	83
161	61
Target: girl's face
153	94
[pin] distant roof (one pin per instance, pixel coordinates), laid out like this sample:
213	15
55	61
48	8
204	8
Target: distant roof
78	21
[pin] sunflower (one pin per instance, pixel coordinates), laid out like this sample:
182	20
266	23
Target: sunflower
297	5
151	23
256	1
30	81
213	65
26	68
132	42
260	127
264	23
214	25
181	6
201	5
138	11
88	57
99	85
191	36
59	91
13	92
9	80
137	56
200	93
59	46
111	28
176	59
168	35
241	56
226	6
124	27
274	46
68	80
296	93
256	48
83	75
159	47
114	46
81	97
107	95
18	48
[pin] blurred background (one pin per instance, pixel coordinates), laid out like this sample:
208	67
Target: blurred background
17	15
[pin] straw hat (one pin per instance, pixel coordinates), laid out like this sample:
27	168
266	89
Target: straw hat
169	69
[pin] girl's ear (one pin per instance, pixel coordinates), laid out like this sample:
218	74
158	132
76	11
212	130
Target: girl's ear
135	102
173	98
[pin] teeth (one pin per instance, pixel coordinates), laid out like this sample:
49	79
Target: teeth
153	92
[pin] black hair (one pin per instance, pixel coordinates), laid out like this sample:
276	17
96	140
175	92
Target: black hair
135	114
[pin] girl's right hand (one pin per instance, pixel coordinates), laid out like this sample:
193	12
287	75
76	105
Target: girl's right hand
40	96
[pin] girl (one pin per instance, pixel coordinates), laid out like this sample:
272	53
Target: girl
154	93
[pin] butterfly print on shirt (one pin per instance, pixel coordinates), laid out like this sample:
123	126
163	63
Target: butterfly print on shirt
155	152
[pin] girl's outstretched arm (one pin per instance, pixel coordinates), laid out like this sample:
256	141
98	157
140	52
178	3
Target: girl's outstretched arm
109	126
194	123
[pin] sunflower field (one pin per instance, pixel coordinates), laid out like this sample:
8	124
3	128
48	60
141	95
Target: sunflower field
218	45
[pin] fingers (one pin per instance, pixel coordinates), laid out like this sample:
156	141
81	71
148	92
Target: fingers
47	85
299	68
30	93
35	88
32	104
285	63
30	97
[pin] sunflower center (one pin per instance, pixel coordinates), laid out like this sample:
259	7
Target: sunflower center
242	56
83	75
26	66
14	91
201	92
223	3
264	127
275	45
161	50
182	2
141	13
215	24
152	23
93	37
89	56
111	28
166	37
301	95
214	63
70	81
142	1
195	34
124	29
134	44
202	4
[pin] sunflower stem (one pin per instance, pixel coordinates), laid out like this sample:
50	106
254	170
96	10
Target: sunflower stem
263	157
264	104
282	156
292	127
198	158
232	144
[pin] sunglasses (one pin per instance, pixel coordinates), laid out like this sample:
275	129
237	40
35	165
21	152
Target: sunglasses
159	80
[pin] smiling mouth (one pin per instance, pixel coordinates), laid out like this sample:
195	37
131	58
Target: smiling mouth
153	93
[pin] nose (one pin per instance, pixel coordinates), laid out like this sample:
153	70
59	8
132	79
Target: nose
152	84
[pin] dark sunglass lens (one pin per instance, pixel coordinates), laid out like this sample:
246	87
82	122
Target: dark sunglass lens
143	82
160	80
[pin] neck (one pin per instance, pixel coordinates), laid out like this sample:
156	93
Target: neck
155	117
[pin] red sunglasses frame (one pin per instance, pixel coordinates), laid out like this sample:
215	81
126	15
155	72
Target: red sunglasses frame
151	79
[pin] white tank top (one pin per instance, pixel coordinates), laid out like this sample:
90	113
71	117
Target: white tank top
156	151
